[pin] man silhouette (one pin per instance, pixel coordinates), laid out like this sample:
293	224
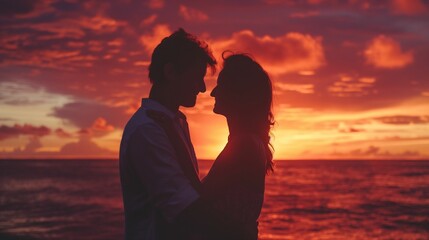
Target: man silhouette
158	167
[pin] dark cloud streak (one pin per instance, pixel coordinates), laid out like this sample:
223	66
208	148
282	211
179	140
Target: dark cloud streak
16	7
84	114
26	129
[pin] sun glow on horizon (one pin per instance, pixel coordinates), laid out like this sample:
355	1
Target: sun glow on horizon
73	73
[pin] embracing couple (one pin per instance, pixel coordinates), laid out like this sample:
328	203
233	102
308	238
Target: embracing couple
162	193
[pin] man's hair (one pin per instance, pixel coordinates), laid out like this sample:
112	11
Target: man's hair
180	49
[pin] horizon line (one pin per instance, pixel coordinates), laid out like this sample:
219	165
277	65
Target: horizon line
285	159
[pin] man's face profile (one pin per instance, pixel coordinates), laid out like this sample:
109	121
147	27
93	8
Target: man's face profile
190	83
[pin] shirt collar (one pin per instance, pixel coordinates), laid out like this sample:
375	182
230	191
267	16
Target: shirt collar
151	104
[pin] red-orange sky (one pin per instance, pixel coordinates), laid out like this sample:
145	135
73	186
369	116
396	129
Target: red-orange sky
351	78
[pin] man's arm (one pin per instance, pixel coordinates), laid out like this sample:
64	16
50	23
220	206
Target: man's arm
154	161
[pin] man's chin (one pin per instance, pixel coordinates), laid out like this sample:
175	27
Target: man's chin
189	104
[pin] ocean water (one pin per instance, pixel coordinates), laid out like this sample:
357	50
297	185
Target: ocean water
81	199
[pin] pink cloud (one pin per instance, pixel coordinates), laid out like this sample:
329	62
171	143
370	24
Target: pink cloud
291	52
304	14
191	14
53	59
95	46
100	24
385	52
13	42
72	27
92	115
152	39
409	7
156	4
276	2
75	44
62	133
57	30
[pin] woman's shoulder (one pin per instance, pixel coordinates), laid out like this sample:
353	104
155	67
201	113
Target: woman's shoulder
248	148
249	142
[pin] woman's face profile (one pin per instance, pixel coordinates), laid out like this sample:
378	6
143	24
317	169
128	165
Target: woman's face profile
222	94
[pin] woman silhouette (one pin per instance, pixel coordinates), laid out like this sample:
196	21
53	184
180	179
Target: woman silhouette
235	184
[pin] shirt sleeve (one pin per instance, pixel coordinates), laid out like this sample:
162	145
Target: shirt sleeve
154	160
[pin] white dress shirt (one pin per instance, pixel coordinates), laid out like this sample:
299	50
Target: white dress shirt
153	183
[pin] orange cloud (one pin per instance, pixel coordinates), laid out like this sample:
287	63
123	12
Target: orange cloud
344	128
100	124
291	52
149	20
301	88
385	52
191	14
349	86
85	147
404	119
156	4
31	147
409	7
116	42
142	63
376	152
151	40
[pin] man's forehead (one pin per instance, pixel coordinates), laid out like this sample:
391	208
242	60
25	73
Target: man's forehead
197	66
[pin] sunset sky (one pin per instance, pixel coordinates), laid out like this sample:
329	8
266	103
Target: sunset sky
351	77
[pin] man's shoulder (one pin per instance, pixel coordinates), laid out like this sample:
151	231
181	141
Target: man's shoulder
140	122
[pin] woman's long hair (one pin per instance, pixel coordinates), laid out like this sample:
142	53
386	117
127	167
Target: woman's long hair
253	95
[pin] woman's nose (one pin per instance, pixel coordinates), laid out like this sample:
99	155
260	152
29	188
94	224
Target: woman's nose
213	92
202	87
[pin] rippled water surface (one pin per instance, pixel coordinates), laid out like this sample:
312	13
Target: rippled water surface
303	200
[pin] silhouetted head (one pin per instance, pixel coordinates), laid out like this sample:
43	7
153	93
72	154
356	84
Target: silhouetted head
244	93
179	63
